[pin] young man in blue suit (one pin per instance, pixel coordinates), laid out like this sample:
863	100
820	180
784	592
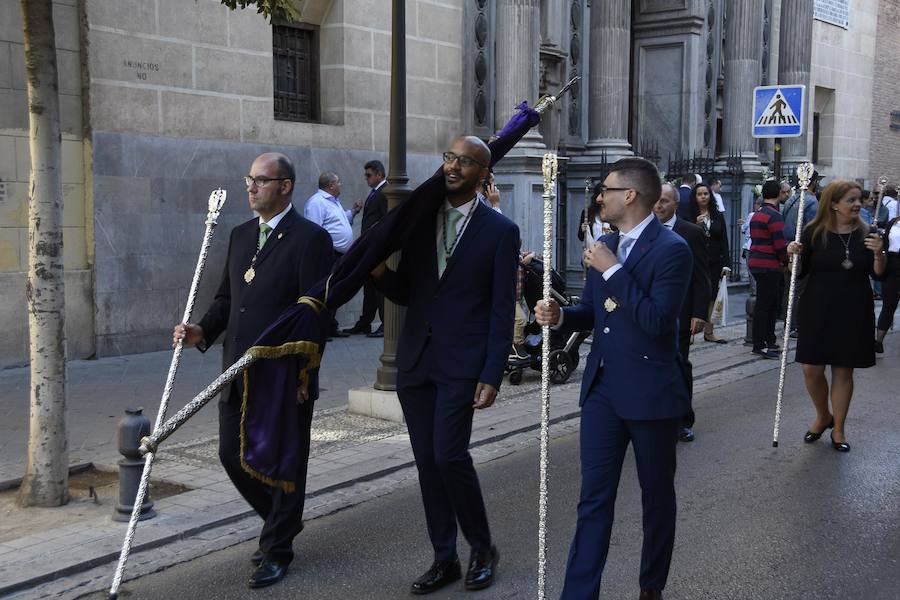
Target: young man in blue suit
457	279
634	388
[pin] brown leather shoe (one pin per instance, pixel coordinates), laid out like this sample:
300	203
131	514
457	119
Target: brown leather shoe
650	595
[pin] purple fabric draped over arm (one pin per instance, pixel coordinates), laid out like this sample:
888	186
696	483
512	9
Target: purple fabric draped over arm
293	344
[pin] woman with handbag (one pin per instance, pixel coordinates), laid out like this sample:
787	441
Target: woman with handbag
890	283
836	311
713	224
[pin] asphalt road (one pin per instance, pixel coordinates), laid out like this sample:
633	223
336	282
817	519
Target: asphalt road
797	522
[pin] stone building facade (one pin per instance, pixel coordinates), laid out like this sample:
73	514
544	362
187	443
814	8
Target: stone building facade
164	100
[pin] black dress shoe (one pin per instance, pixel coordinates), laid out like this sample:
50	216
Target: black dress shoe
440	574
812	436
650	595
482	566
257	557
766	353
879	347
337	333
364	329
686	435
378	333
839	446
268	572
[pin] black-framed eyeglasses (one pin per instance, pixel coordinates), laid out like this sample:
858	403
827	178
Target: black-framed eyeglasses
464	161
261	182
603	189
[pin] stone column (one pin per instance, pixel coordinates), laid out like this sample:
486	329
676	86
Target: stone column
609	81
517	57
743	40
794	59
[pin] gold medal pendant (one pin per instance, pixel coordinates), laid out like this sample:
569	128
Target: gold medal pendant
610	304
249	274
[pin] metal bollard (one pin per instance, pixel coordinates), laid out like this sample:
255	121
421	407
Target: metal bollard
133	426
749	307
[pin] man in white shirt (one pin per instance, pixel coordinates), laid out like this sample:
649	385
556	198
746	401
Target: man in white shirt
889	202
324	209
715	187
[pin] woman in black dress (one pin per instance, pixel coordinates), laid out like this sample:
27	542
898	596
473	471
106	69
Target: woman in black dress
713	223
836	311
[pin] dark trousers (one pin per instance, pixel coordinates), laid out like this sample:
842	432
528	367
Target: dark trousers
373	301
684	349
768	299
890	292
281	512
335	327
604	440
439	420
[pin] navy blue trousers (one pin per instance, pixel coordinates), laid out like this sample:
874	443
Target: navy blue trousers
604	440
438	416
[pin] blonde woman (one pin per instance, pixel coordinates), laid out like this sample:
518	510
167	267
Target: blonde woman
836	312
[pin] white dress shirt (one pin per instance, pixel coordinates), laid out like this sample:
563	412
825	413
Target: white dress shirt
671	222
632	235
460	224
894	238
892	207
720	204
325	210
274	221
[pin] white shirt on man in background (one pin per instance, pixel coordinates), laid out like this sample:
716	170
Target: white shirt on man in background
325	210
892	207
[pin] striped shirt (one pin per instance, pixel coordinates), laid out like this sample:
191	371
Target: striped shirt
768	248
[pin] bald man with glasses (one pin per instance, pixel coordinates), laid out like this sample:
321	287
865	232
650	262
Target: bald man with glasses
457	280
272	260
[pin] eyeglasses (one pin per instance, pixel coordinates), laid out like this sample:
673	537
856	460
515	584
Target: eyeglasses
261	182
604	189
464	161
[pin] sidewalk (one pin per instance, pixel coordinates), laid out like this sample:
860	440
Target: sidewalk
347	450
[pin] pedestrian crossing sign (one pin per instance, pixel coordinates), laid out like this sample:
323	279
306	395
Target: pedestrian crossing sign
778	110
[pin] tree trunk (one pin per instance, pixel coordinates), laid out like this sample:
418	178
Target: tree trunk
46	481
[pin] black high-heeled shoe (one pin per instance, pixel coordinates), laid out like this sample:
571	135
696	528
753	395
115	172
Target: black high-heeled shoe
839	446
812	436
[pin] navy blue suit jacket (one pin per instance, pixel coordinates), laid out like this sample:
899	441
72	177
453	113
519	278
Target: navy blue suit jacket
684	210
634	362
469	311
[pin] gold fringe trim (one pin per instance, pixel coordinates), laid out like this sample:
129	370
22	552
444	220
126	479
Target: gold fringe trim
308	349
316	304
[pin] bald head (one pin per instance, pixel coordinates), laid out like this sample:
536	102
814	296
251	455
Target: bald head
476	148
467	168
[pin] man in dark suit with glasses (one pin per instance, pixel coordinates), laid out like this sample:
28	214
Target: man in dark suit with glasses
272	260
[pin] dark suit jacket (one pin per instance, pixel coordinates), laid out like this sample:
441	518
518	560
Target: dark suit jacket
298	254
684	210
374	209
717	246
696	304
634	361
468	313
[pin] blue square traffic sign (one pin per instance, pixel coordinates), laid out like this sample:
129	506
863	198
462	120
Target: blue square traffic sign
779	111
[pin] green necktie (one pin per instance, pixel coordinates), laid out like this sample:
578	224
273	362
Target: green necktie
448	238
264	230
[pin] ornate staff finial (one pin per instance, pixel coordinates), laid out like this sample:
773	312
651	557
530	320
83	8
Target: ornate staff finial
804	174
216	201
548	166
547	101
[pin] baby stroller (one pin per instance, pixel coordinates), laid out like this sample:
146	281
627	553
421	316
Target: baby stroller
563	350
